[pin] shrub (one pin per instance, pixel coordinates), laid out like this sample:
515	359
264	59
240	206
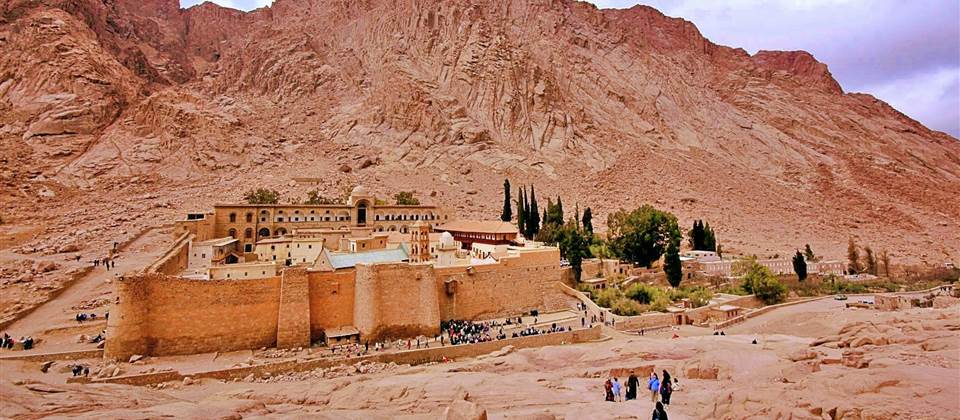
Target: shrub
700	297
262	196
760	281
660	303
607	297
406	198
627	307
643	293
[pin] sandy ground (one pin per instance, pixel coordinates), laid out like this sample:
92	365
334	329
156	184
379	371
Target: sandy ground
914	372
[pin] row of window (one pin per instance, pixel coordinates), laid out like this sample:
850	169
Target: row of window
342	216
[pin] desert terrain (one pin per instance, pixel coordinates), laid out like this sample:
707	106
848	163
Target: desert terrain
911	372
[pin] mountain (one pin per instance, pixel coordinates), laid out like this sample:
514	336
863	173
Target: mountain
118	114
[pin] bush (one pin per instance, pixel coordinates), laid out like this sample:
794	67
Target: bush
627	307
700	297
406	198
760	281
262	196
677	294
660	303
607	297
643	293
734	290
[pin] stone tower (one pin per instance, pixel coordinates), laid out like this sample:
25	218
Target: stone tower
420	242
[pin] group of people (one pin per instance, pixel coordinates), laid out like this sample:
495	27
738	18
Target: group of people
92	317
7	342
468	332
80	370
660	391
107	263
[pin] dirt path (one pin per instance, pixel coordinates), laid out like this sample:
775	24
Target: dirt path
53	321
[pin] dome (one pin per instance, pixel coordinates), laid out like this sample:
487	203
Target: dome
359	190
446	241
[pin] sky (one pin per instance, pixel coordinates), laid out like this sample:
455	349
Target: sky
906	53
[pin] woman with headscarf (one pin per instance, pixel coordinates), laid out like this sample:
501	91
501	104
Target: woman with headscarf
666	388
659	413
632	384
608	389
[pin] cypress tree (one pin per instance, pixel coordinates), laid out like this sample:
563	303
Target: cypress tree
800	266
507	214
534	222
853	258
547	213
588	220
521	212
558	216
709	240
671	263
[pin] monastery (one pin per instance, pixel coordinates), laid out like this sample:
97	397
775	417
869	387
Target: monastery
251	276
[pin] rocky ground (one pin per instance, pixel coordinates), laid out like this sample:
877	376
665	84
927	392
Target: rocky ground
853	364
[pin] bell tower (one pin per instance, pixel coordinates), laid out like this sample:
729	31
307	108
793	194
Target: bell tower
420	242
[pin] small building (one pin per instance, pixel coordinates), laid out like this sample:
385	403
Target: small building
598	283
491	232
341	336
218	251
701	256
725	312
243	271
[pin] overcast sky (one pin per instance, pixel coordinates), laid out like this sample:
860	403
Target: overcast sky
904	52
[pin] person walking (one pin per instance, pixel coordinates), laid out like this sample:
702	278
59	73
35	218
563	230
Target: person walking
654	386
616	390
632	384
666	388
659	413
608	390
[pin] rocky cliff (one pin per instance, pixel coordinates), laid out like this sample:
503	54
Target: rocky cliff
131	110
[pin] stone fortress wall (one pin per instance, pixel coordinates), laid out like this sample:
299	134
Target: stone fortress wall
160	314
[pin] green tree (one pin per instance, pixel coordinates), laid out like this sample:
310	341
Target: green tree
696	235
575	246
709	238
800	266
761	282
507	214
557	215
700	297
671	263
642	293
533	224
640	236
808	253
314	198
262	196
587	220
521	212
853	258
871	260
406	198
547	213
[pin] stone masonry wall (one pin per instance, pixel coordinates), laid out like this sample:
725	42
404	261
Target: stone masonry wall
293	318
331	300
164	315
396	300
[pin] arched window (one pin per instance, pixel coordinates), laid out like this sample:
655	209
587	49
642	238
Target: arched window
233	217
264	233
248	233
249	217
232	232
281	232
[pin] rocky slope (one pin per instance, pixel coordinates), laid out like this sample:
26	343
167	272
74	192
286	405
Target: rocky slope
145	109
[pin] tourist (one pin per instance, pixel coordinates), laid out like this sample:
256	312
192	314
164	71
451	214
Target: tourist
676	385
659	413
86	371
616	390
641	331
654	386
632	383
77	370
722	333
608	390
96	262
78	257
754	341
665	388
106	263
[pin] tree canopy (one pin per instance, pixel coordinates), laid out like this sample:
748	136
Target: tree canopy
671	263
640	236
406	198
262	196
587	220
761	282
314	197
701	237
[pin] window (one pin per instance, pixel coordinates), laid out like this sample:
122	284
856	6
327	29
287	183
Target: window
249	217
232	233
248	233
233	217
280	218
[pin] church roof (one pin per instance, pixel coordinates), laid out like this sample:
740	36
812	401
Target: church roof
478	226
351	259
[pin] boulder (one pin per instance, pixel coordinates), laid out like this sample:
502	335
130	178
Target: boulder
464	410
802	354
135	358
46	366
